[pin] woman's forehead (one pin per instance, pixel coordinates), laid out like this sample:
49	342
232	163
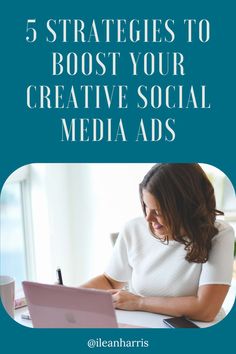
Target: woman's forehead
150	200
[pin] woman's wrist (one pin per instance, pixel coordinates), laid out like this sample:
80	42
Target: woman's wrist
140	303
149	304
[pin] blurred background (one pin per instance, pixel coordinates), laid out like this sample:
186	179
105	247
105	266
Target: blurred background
62	215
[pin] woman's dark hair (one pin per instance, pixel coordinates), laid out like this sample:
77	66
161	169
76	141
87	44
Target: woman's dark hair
187	202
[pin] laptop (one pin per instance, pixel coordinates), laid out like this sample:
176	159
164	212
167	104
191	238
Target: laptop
58	306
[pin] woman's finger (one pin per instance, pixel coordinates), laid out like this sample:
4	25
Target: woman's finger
113	291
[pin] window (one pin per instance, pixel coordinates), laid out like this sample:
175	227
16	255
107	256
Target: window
16	254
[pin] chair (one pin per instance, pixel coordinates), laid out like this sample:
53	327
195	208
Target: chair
113	238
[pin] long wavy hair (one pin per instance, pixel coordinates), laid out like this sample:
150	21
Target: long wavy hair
187	203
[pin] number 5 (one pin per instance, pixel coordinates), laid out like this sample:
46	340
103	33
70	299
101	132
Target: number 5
32	31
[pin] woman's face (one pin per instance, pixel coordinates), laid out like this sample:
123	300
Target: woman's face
153	215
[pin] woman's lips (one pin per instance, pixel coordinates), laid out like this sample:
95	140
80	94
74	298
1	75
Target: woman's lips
157	226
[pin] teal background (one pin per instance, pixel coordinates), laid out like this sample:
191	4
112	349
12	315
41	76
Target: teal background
201	135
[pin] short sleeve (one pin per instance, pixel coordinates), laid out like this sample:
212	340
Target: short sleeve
219	267
118	268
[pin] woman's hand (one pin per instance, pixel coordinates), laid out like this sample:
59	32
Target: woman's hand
202	307
125	300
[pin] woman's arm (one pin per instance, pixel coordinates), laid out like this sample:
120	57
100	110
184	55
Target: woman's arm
103	282
203	307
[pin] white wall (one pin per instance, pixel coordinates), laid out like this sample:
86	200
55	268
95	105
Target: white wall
83	211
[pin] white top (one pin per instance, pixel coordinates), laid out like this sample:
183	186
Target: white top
156	269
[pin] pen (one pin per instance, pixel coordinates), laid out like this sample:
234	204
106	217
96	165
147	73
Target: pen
59	276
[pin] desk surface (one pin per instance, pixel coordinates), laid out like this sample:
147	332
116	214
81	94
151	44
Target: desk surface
138	318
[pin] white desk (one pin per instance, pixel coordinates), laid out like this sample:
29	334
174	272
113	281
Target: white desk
152	320
138	318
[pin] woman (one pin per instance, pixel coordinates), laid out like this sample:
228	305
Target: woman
178	260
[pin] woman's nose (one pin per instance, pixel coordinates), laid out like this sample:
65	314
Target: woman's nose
149	216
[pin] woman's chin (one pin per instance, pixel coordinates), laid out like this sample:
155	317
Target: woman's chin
161	232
